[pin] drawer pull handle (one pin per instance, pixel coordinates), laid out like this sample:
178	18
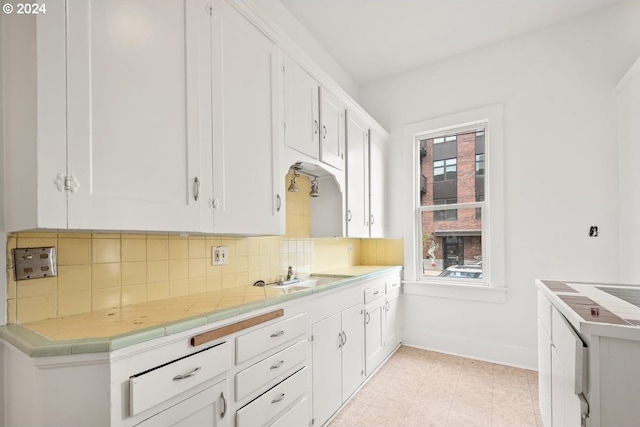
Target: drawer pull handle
187	375
344	338
376	292
277	365
368	318
278	399
224	405
277	334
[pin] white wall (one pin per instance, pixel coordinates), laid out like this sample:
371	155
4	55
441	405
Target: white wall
629	174
557	86
277	13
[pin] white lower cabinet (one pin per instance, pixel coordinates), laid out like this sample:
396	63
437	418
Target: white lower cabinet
337	352
207	408
374	334
296	416
392	320
274	402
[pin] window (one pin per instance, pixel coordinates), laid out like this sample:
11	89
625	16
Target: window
454	241
445	170
445	215
452	237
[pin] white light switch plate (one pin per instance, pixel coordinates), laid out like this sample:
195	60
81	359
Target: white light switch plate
219	255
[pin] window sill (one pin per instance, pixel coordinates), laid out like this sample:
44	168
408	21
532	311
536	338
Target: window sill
480	293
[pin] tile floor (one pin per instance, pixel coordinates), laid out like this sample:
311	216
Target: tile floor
420	388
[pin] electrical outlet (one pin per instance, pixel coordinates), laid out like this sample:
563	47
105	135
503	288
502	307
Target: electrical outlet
219	255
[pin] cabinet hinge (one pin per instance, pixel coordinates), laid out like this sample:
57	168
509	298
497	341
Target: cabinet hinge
66	183
212	12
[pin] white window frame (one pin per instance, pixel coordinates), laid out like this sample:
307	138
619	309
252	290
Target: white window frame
492	287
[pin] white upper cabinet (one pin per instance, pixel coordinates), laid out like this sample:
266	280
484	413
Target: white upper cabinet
247	188
34	118
357	177
377	178
301	109
365	179
332	132
138	114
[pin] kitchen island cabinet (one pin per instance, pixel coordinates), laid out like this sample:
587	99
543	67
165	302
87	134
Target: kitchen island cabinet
589	342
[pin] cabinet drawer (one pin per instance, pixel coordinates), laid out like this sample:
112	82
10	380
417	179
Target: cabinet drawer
278	365
374	293
392	284
269	337
296	416
157	385
274	401
544	313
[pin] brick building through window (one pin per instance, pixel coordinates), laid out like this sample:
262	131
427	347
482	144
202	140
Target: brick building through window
452	172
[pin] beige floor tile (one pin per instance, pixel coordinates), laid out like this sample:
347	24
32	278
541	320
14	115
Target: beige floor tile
427	389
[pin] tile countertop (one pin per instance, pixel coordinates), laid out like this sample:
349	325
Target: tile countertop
107	330
593	311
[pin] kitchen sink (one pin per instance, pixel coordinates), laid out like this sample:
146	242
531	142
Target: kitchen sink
307	282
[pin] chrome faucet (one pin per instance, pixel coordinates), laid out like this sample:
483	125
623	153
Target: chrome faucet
290	273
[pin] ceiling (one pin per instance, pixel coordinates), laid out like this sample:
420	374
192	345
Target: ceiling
372	39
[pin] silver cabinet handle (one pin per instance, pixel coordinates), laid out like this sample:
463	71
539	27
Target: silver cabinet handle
277	334
278	203
324	132
341	340
344	338
278	399
196	192
387	306
376	292
368	318
316	127
277	365
187	375
349	215
224	405
371	219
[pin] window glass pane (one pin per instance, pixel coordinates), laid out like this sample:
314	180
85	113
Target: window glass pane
452	166
452	248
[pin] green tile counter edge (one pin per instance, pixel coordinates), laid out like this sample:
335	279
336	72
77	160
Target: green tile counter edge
35	345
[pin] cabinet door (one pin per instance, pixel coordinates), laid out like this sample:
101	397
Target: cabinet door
357	177
332	132
138	113
544	374
246	191
352	350
301	109
327	372
392	321
376	185
207	408
374	335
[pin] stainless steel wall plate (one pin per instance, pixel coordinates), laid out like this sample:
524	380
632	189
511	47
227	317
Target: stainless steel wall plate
34	263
